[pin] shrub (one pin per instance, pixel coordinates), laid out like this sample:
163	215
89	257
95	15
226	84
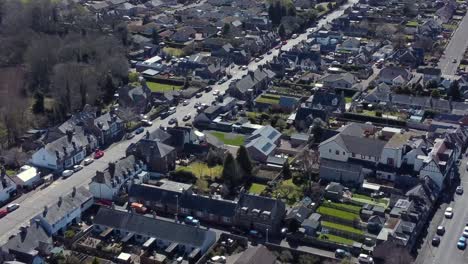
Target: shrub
69	234
183	176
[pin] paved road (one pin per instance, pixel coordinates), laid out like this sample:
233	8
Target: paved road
455	49
34	204
447	251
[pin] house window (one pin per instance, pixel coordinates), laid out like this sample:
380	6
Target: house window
337	152
329	150
344	153
390	161
226	220
353	155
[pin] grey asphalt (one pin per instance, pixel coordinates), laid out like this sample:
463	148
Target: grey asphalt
34	203
447	251
455	49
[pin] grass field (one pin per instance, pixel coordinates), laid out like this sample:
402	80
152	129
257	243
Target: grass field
257	188
349	207
336	239
228	138
337	213
268	99
174	51
342	227
201	169
161	87
366	199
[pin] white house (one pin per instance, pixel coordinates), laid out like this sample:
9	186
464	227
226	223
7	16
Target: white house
106	184
7	188
66	151
66	210
28	177
438	164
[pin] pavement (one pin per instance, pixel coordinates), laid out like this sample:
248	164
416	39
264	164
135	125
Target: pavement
34	203
455	49
447	251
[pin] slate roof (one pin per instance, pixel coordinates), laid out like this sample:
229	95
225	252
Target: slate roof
267	132
299	213
276	207
158	135
27	241
78	138
123	168
347	77
256	255
164	230
251	79
105	120
148	148
391	72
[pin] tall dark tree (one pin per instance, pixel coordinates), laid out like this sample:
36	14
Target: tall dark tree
109	89
38	106
230	173
317	129
155	37
287	171
282	31
226	28
454	90
244	161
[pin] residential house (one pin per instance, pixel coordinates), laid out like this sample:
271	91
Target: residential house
56	217
296	216
321	104
159	157
173	197
65	151
349	45
341	81
107	128
187	238
445	13
257	254
311	225
260	213
28	177
138	98
251	84
430	74
388	74
409	57
342	172
7	187
107	184
263	143
334	191
30	245
183	34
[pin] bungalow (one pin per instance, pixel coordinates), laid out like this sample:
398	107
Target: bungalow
339	81
186	238
388	74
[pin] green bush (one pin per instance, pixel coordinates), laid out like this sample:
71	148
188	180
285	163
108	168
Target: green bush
69	234
183	176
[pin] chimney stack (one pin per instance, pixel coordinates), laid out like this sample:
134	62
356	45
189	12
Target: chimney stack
74	145
64	150
69	135
112	169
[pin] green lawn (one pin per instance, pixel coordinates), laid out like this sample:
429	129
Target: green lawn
201	169
257	188
337	213
161	87
336	239
368	112
366	199
229	138
412	24
325	8
348	99
268	99
352	208
174	51
449	27
289	192
345	228
11	172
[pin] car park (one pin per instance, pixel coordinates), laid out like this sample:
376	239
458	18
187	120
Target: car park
440	230
77	168
435	241
88	161
459	190
448	212
12	207
67	173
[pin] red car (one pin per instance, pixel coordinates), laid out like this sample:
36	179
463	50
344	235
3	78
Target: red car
3	213
98	154
284	42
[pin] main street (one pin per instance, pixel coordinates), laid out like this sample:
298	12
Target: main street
455	49
447	250
34	203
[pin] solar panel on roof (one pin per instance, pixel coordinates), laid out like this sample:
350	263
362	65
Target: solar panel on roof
272	134
266	147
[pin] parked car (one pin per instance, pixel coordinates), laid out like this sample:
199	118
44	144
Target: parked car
185	102
459	190
12	207
435	241
364	258
215	92
294	36
130	135
257	59
98	154
139	130
218	259
172	121
440	230
244	67
448	212
67	173
3	213
146	122
77	168
454	60
341	253
461	244
139	208
198	95
187	117
88	161
208	88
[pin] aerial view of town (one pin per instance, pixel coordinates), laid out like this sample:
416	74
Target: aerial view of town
233	131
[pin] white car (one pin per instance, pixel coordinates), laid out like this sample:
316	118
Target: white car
364	258
185	102
77	168
146	122
67	173
88	161
215	92
459	190
448	212
219	259
465	231
12	207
